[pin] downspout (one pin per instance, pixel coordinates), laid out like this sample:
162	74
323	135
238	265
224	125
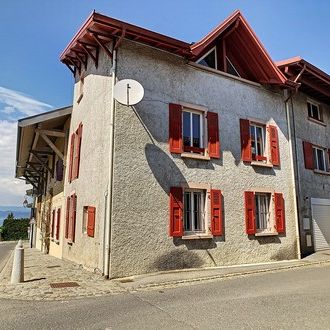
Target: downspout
294	191
108	225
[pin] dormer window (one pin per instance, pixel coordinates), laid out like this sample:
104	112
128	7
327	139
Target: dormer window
209	59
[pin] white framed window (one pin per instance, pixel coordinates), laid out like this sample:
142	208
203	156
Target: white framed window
209	59
258	142
319	159
193	131
314	110
194	211
263	206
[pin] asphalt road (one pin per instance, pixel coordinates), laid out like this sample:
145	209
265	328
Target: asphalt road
5	250
291	299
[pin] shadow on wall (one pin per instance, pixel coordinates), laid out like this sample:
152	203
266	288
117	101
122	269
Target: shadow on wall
178	259
163	168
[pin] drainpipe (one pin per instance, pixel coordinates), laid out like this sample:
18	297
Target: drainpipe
108	224
294	191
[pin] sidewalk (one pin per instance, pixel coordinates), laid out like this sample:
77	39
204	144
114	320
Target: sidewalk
43	272
40	271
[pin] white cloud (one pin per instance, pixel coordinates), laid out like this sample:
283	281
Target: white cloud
19	103
15	103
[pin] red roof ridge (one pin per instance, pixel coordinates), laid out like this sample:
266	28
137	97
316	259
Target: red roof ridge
290	60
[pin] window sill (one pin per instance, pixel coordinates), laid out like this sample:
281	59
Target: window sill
316	121
321	172
256	163
266	234
196	236
194	156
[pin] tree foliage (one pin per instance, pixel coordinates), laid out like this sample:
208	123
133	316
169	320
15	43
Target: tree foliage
14	229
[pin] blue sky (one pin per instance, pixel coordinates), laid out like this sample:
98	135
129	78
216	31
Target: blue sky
33	35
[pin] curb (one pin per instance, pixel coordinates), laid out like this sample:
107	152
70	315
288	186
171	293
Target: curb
224	276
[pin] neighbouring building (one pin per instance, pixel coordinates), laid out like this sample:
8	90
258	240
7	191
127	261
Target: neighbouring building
310	119
41	160
202	172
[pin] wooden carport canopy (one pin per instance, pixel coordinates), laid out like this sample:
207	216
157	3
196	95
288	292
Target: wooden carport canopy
36	137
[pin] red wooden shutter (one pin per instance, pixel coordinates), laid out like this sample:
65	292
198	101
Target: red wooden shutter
52	232
176	211
308	155
73	218
246	153
58	223
216	212
213	135
175	128
279	213
274	145
71	157
90	221
250	213
79	137
67	217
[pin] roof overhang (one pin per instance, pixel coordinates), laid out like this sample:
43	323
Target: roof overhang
28	142
312	80
98	30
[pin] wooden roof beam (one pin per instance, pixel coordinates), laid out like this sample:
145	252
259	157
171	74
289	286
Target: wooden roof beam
89	52
82	60
103	46
51	132
316	87
52	145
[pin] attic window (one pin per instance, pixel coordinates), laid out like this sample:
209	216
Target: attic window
209	59
231	68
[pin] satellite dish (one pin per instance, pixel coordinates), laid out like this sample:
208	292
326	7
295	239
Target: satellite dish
128	92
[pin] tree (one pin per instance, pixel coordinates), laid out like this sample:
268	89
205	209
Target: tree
14	229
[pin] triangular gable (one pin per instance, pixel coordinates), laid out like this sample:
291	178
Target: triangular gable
235	41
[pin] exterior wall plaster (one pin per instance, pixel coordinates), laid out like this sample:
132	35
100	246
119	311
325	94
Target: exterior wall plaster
93	111
145	170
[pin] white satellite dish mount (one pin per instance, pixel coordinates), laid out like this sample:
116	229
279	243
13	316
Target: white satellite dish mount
128	92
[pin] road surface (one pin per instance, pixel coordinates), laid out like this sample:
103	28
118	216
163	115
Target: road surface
291	299
5	251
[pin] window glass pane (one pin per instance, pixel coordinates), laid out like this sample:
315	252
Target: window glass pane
253	139
262	202
197	211
315	158
260	142
309	107
186	128
231	69
187	212
257	212
209	60
196	130
320	159
315	111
